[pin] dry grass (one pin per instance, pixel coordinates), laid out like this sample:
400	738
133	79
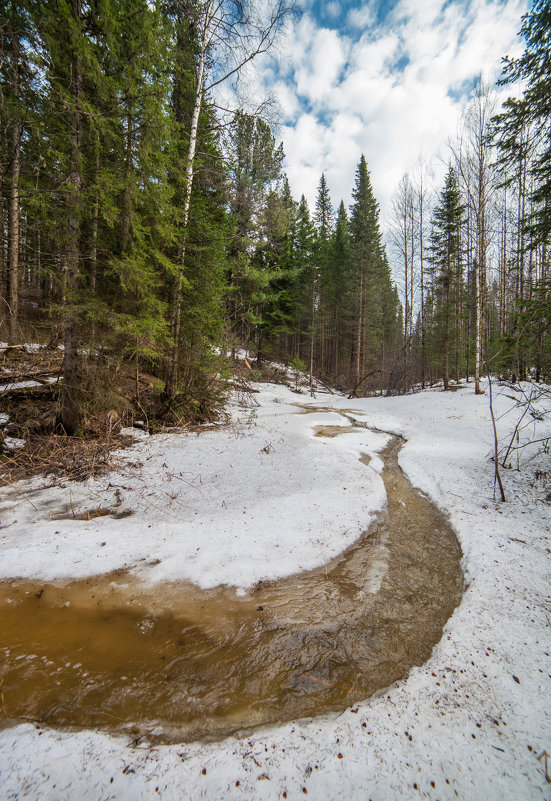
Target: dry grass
110	400
69	457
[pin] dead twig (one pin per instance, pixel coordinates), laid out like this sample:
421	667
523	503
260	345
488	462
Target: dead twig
497	477
544	755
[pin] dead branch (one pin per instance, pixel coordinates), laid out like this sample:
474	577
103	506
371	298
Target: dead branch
497	477
43	390
360	382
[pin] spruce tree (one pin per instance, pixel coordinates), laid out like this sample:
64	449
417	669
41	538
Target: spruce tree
273	259
446	258
535	105
340	296
305	283
255	169
371	281
19	165
523	136
324	221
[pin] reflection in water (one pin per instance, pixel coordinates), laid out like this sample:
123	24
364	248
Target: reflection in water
180	663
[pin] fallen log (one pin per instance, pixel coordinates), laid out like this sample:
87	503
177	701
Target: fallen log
42	390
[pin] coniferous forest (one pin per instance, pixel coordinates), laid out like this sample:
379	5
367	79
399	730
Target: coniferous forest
153	234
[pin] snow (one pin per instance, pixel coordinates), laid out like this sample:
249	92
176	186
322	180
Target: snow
29	347
13	443
261	500
19	385
264	498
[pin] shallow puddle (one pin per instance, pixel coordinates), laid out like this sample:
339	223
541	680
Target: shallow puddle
176	663
334	431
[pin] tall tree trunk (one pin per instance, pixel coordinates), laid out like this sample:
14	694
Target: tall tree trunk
359	328
312	331
481	264
13	207
126	198
95	223
478	331
70	412
503	267
411	266
171	383
422	278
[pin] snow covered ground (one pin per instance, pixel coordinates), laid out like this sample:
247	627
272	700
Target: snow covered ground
264	498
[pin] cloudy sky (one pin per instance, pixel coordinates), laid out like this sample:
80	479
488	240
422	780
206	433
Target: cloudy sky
384	78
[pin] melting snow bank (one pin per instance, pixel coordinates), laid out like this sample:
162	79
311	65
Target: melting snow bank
260	499
266	498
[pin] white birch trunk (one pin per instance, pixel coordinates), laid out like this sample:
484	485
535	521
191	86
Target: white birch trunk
172	371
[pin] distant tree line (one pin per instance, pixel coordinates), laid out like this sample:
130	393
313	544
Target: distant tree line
141	229
474	260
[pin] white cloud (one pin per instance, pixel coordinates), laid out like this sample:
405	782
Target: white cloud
362	17
332	10
391	92
318	56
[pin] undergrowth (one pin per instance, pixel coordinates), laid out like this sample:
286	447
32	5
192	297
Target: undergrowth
112	396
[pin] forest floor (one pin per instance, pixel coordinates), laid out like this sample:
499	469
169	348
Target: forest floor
261	498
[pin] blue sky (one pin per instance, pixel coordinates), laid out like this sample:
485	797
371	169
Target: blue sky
334	14
387	79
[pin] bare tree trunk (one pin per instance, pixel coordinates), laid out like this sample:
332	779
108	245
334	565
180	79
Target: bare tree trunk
220	24
497	477
13	239
3	276
312	331
421	196
13	207
503	267
478	327
95	223
480	283
359	331
126	198
480	267
70	412
175	320
412	264
475	168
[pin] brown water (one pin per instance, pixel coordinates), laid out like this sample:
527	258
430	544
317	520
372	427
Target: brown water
176	663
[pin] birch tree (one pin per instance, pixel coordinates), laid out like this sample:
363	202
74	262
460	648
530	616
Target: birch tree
230	35
474	165
404	239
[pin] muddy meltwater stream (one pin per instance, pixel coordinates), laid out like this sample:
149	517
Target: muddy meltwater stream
179	663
